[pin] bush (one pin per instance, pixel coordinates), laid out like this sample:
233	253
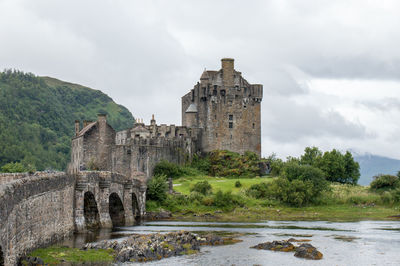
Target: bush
385	182
202	187
195	197
157	188
227	200
293	171
201	164
259	191
295	193
232	164
238	184
168	169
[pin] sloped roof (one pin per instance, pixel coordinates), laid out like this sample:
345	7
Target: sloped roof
86	129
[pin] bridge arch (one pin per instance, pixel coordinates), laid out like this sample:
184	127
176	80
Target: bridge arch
116	210
90	210
1	257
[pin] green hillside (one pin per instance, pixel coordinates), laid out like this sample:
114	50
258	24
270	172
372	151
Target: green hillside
37	117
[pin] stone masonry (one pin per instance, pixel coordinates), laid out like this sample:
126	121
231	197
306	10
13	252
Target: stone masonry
222	111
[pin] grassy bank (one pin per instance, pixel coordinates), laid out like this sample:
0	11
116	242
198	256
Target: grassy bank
54	255
341	203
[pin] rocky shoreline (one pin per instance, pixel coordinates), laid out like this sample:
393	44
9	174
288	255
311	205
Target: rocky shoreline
141	248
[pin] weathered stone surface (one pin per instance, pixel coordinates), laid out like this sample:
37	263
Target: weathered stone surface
156	246
308	251
284	246
228	110
161	215
35	210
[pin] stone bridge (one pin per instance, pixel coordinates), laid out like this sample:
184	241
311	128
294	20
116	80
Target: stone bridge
42	208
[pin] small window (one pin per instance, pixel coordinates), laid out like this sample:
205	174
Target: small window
230	124
216	135
230	117
215	92
231	136
236	96
215	116
128	152
222	92
254	125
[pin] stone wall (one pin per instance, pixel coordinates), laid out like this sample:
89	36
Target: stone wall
141	155
35	210
8	177
228	110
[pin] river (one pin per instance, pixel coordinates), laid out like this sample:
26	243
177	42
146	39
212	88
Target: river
350	243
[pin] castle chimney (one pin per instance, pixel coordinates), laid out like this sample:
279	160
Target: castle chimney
77	127
228	72
85	123
153	120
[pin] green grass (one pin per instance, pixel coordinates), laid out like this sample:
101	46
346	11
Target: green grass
342	203
54	255
184	184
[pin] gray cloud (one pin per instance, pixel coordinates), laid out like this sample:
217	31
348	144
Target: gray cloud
147	54
286	121
383	105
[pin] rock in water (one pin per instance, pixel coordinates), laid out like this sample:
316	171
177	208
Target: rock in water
308	251
284	246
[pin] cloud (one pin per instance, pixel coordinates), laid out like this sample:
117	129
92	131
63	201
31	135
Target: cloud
147	54
287	121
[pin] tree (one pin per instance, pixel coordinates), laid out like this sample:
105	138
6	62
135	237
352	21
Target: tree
352	169
312	156
332	163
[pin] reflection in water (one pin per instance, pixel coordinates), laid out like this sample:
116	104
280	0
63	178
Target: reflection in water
355	243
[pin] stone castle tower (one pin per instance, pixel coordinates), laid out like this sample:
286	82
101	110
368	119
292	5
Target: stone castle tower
221	112
226	110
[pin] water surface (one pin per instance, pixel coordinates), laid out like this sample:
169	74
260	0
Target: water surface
353	243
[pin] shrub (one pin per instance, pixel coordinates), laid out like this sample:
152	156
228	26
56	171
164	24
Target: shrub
293	171
208	201
295	193
238	184
387	198
232	164
385	182
157	188
227	200
195	197
202	187
168	169
258	191
201	163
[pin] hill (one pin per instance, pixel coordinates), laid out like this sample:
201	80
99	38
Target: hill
371	165
37	117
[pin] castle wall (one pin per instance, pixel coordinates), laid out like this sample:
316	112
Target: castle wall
35	211
143	154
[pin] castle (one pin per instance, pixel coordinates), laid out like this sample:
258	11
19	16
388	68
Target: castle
221	112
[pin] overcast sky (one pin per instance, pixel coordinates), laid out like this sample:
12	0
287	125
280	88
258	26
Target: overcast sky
330	69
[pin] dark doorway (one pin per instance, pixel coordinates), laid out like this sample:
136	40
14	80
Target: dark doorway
90	211
135	206
1	257
116	209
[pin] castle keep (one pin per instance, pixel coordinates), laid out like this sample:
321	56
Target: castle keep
222	111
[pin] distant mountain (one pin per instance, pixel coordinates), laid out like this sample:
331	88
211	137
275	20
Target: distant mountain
371	165
37	117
